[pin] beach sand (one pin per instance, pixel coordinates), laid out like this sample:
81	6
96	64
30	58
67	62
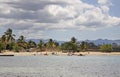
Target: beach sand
57	53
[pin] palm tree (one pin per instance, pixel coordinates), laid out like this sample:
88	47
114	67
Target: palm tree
10	36
73	40
21	42
56	46
2	47
84	46
50	44
8	39
4	39
69	47
41	46
21	38
31	44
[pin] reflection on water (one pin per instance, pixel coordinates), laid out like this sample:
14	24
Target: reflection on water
60	66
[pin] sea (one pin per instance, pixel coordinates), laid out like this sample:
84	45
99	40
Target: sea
60	66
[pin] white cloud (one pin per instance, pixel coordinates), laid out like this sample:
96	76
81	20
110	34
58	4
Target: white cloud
102	1
105	9
61	12
33	17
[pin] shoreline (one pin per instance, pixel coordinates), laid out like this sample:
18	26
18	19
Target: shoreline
91	53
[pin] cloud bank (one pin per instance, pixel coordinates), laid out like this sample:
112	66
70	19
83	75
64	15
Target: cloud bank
36	16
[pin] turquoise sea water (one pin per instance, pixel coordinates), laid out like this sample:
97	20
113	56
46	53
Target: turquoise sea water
60	66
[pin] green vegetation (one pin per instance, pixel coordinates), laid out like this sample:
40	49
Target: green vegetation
8	42
69	47
41	46
73	40
2	46
31	44
84	46
16	47
106	48
21	42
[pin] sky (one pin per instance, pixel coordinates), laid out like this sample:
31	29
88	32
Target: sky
61	19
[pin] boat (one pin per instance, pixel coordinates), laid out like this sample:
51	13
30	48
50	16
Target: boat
81	55
6	55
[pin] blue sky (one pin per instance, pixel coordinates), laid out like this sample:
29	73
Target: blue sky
114	9
106	33
61	19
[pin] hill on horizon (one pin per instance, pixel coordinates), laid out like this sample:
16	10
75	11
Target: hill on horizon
96	42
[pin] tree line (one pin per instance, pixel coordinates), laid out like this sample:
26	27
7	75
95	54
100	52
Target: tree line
8	42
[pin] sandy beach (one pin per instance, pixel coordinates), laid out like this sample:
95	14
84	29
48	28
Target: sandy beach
57	53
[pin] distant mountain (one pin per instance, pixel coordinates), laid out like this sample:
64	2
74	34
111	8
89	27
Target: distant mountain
45	41
96	42
104	41
37	40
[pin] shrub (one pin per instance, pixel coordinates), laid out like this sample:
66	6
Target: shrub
106	48
2	46
68	46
